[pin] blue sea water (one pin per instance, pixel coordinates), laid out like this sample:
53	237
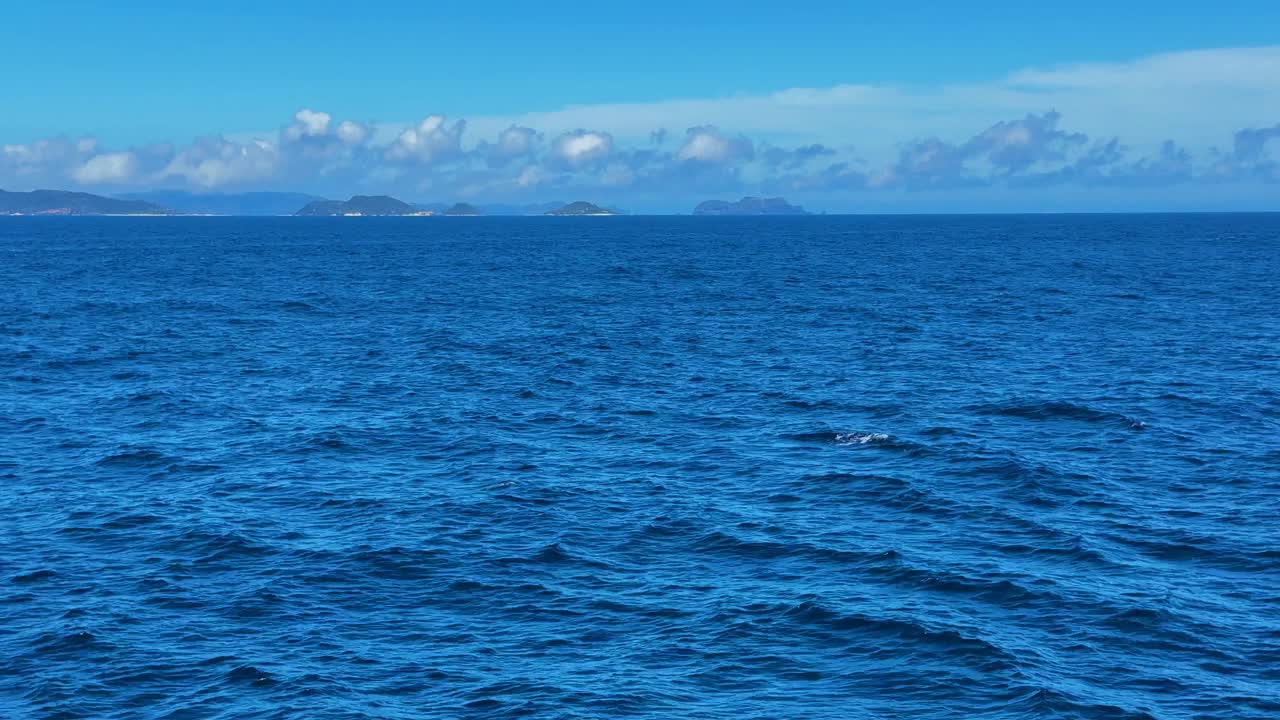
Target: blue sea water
855	467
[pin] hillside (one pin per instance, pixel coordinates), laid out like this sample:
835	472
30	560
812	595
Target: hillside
61	202
358	205
581	208
526	209
250	203
749	206
463	209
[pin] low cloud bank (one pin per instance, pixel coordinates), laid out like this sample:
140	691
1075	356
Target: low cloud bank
436	158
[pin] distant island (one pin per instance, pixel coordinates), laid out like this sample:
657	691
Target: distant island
248	203
61	202
749	206
581	208
360	205
463	209
179	202
526	209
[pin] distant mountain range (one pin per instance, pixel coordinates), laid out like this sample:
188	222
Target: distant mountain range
251	203
503	209
581	208
174	202
749	206
528	209
360	205
496	209
61	202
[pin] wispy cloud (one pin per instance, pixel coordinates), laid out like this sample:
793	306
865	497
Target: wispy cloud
1198	96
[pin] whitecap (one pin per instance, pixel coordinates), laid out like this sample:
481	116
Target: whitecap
857	438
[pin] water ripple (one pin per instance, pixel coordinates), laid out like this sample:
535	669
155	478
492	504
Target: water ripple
989	467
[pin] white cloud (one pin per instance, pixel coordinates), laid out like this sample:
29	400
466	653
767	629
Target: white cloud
108	168
429	141
43	162
706	144
216	162
352	133
532	176
514	142
581	148
308	123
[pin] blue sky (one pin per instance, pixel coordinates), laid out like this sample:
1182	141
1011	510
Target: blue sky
684	100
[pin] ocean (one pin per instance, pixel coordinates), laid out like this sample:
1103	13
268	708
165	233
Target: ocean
739	468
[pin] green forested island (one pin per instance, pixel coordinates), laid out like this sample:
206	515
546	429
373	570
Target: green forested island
359	205
213	203
582	208
749	206
463	209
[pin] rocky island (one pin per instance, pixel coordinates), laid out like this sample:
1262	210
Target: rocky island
360	205
580	208
749	206
61	202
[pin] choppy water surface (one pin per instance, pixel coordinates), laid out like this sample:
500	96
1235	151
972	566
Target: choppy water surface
654	468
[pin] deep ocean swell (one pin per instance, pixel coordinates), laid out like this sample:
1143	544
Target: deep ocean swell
998	467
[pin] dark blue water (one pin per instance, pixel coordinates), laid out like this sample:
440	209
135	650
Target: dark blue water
992	467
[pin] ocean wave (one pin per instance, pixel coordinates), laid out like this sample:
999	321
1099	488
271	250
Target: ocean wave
1058	410
856	439
33	576
927	640
409	471
136	456
399	563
